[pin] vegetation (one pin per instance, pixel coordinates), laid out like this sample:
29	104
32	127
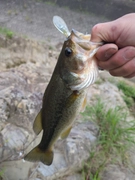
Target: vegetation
115	136
50	3
9	34
129	93
1	173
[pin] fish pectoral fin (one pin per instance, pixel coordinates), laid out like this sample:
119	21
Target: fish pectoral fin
66	133
37	126
84	104
36	154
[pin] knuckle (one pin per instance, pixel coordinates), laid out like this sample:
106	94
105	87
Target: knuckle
96	28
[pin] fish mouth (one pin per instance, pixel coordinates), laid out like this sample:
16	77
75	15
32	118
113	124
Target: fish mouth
81	39
86	79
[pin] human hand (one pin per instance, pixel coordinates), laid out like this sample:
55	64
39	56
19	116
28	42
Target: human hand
117	55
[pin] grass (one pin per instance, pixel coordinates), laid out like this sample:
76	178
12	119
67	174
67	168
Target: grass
28	19
12	12
115	136
128	91
8	33
128	95
50	3
1	173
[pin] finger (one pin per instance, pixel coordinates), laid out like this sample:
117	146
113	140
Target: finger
120	58
127	70
106	51
130	76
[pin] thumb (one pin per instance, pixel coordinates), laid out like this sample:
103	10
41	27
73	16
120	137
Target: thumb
103	32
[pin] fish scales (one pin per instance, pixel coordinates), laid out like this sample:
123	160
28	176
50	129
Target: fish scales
65	95
57	101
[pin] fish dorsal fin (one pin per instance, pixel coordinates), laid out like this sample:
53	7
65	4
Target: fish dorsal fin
37	126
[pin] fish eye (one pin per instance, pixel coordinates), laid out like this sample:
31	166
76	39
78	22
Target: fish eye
68	51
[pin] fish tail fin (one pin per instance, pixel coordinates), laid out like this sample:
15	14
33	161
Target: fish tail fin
36	154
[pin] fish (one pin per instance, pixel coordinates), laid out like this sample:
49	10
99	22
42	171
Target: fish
65	95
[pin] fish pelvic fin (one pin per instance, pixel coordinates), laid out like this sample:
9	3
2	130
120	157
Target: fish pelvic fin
37	126
65	133
84	104
36	154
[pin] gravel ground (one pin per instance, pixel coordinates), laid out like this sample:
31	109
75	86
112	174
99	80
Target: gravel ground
33	18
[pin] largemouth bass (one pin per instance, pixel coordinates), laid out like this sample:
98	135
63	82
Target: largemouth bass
65	95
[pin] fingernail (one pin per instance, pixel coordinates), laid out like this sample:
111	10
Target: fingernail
101	69
129	54
110	52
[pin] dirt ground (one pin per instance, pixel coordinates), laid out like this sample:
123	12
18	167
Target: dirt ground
110	9
33	18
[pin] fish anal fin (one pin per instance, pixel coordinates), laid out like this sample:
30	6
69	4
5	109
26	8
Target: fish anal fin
36	155
66	132
37	125
84	104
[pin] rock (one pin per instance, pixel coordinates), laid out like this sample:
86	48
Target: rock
21	100
69	154
21	91
18	50
110	95
17	170
113	172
